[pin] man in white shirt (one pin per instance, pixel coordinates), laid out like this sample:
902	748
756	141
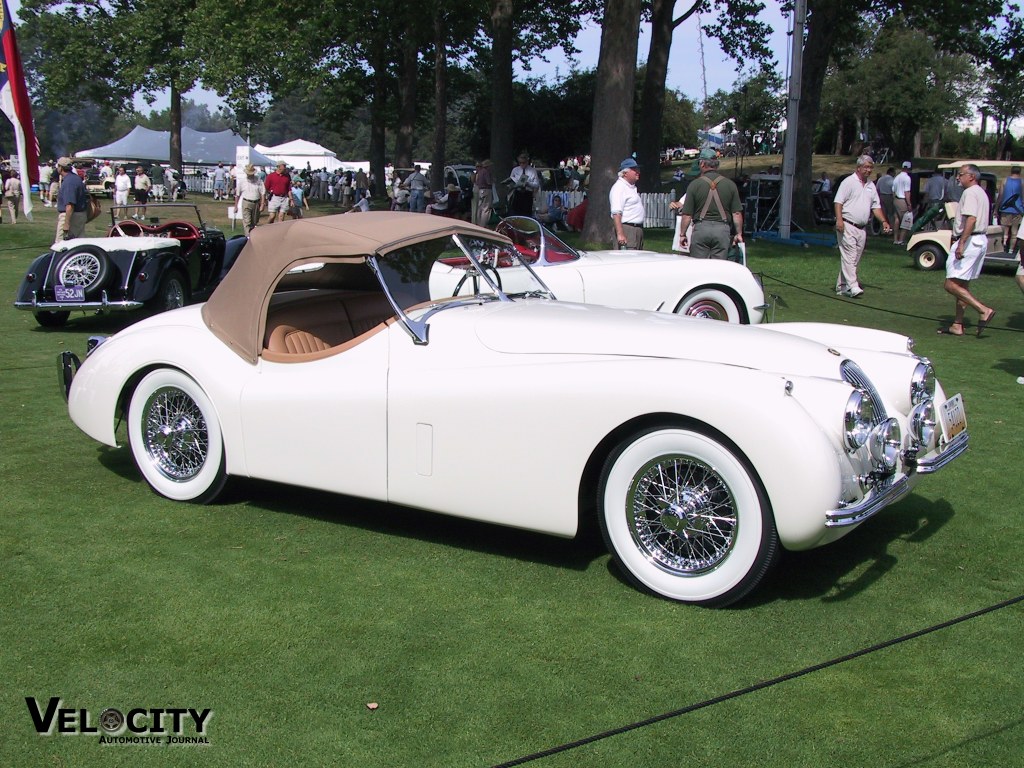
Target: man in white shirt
967	253
122	186
856	201
901	201
627	208
527	184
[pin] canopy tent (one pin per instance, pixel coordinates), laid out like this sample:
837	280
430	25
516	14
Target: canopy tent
197	147
299	152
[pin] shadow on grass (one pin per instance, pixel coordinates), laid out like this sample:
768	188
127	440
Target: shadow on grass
844	569
832	573
932	758
395	520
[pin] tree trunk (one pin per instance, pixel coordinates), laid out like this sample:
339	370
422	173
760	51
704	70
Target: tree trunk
175	149
437	158
825	20
378	104
613	112
406	101
501	88
652	104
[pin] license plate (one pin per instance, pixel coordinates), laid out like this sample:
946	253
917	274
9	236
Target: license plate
953	417
69	292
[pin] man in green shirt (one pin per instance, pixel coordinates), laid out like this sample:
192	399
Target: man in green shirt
711	201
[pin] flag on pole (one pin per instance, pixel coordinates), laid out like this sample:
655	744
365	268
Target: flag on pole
14	103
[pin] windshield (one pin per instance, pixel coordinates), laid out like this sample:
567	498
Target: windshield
454	270
535	243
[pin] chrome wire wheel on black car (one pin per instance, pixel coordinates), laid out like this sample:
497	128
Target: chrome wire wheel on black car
685	518
175	437
84	265
172	293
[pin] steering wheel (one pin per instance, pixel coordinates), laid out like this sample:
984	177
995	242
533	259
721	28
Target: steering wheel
120	232
472	272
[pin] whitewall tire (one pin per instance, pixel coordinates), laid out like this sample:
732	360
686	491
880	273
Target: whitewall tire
685	517
712	304
175	437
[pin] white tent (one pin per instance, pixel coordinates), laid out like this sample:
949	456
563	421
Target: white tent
197	147
299	152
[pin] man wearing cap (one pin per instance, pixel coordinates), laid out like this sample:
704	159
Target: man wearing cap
901	200
72	202
251	196
278	186
713	204
122	186
627	207
416	183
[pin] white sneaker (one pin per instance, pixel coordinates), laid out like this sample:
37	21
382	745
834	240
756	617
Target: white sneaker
852	293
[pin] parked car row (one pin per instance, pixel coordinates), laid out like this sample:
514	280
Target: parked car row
427	362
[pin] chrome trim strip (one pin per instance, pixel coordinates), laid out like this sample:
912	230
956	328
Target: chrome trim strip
949	452
103	304
872	505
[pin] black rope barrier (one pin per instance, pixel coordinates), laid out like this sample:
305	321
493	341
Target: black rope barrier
757	686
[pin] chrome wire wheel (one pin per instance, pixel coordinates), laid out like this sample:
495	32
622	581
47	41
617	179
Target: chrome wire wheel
682	515
175	437
685	516
79	269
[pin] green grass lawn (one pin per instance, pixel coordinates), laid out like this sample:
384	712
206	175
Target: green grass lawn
287	612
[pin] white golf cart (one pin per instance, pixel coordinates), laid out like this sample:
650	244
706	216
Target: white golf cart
931	249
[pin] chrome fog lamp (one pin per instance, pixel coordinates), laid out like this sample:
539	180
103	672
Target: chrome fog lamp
922	383
886	441
923	423
858	419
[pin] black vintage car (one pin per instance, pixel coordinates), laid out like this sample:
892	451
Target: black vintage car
158	263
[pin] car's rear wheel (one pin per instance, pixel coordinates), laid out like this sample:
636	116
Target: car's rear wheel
175	437
685	517
172	292
929	256
52	319
84	265
710	303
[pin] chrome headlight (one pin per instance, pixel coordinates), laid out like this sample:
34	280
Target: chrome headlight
885	444
859	418
922	383
923	423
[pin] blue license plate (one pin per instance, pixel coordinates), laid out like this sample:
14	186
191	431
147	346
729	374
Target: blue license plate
69	292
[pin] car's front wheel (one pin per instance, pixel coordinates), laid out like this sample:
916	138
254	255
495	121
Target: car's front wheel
175	437
685	517
712	304
929	256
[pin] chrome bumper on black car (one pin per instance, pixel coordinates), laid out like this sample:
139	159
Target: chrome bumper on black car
103	305
886	494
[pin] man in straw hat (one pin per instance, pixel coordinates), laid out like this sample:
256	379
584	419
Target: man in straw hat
252	197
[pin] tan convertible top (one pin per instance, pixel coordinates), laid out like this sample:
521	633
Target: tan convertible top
237	311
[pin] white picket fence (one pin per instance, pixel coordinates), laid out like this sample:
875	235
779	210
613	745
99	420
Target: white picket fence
656	210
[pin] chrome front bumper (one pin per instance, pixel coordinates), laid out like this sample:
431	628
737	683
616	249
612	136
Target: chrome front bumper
892	491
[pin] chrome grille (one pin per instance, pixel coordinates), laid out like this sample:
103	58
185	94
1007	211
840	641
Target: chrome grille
853	375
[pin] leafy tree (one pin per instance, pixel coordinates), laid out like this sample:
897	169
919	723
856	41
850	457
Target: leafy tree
1004	70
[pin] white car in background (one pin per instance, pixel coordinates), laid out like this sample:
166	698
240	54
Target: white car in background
710	288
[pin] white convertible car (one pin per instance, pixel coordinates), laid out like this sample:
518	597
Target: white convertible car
338	355
666	282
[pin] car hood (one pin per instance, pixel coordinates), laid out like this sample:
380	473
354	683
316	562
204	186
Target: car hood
587	329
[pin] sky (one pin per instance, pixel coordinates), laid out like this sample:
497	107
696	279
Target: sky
684	63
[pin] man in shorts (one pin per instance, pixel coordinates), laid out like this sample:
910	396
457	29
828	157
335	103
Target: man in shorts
967	253
278	185
142	185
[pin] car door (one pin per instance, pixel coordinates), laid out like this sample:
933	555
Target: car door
321	423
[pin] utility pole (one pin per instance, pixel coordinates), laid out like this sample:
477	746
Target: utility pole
792	117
